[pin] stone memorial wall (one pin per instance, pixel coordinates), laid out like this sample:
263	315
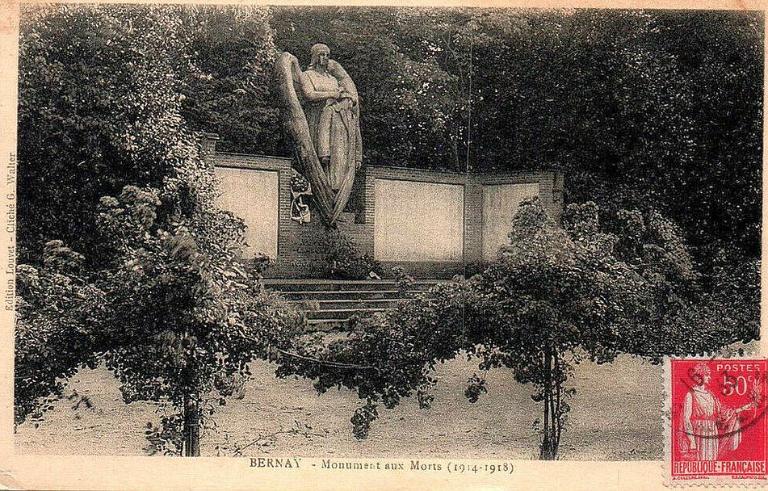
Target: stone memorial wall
500	203
430	222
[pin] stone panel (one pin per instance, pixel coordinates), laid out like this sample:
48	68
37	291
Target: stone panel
500	203
418	221
253	196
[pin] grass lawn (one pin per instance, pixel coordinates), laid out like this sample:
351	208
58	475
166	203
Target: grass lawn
616	415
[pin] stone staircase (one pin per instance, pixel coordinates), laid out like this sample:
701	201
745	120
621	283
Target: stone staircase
329	304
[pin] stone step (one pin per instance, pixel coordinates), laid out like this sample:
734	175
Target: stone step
347	303
329	304
330	295
286	285
341	314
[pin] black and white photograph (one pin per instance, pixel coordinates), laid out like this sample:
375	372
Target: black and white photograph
386	239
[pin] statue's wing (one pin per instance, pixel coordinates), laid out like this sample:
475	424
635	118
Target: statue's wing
287	73
345	190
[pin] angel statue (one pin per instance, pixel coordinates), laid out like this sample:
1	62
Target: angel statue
321	113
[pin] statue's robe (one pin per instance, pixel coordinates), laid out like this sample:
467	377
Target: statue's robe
334	129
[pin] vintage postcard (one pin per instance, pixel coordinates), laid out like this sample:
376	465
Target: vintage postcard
265	246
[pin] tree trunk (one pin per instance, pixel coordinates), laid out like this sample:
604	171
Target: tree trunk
549	445
558	406
191	426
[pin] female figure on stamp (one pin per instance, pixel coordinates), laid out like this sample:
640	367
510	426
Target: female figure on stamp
709	428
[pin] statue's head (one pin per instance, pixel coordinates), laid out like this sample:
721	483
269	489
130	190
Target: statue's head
320	55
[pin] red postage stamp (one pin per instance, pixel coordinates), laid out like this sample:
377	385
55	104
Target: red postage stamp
717	429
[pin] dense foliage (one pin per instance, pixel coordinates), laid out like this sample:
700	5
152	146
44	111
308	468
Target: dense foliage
152	283
639	109
54	334
228	87
344	261
555	296
184	317
79	141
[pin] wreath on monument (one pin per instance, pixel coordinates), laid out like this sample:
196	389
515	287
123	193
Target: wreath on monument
301	192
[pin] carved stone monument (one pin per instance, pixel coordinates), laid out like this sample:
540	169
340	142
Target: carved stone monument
321	113
430	222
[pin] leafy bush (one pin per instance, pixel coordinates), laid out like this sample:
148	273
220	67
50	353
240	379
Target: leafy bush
343	261
473	268
554	297
54	336
185	317
388	356
159	292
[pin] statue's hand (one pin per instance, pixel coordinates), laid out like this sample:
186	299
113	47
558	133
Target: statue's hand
341	104
348	96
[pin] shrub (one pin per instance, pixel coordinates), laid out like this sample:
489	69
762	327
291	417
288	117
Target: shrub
555	296
344	262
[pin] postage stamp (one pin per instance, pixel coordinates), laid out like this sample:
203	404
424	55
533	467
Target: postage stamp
717	429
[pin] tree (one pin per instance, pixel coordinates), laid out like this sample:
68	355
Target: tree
564	295
720	55
156	288
227	88
79	141
184	317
